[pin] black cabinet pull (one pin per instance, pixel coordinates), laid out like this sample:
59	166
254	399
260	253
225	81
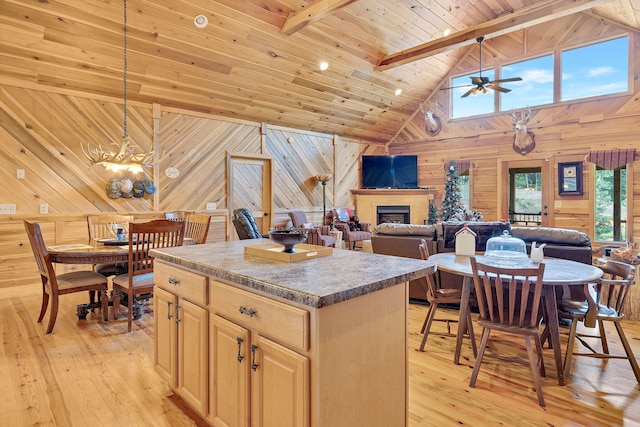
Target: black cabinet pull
240	357
177	308
250	312
169	310
254	365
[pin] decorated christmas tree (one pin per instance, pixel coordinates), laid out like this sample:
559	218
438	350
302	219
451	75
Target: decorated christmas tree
451	202
432	217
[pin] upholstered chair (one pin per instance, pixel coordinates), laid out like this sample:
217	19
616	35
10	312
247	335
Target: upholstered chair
317	235
246	225
341	219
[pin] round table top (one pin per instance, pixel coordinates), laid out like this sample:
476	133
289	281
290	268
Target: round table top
92	252
556	271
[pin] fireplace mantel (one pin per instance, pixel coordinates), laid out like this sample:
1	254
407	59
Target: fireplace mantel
367	201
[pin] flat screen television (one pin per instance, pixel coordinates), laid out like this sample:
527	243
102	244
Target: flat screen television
399	171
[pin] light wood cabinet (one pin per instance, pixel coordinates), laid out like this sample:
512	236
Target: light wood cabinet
273	362
254	380
181	330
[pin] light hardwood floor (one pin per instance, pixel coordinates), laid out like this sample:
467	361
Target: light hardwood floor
93	373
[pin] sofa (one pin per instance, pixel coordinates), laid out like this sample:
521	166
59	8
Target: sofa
403	240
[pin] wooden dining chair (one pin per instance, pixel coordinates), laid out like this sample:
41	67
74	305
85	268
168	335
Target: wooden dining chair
177	215
55	285
137	284
101	227
437	296
509	300
197	227
611	293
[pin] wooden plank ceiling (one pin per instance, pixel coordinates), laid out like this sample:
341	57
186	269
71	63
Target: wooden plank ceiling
259	60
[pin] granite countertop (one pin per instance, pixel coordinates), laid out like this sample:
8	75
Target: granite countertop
314	282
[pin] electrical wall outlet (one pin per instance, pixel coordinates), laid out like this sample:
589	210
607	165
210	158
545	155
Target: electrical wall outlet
7	209
20	173
44	208
211	206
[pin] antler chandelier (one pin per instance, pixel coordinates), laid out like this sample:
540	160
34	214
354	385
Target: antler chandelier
123	156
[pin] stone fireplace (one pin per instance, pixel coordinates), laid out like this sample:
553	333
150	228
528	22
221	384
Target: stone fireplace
393	214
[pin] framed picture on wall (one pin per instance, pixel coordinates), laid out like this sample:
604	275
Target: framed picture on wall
570	179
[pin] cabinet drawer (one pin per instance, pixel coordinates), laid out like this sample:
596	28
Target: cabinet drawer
185	284
287	324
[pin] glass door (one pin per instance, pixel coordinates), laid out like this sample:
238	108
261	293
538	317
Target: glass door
525	193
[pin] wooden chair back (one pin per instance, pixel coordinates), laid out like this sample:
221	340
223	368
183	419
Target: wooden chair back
41	255
431	286
101	225
508	298
177	215
197	227
144	236
613	288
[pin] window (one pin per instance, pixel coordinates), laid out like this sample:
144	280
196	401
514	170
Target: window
594	70
464	185
597	69
536	87
611	204
473	104
525	196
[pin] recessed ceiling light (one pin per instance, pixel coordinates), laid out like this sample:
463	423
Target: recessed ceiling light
200	21
324	65
447	32
398	92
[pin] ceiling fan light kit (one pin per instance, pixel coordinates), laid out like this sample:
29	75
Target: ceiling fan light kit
480	84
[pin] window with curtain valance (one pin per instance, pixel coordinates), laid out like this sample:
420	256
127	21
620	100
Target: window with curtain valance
611	159
610	198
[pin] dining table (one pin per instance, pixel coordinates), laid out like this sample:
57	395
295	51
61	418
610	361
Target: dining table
100	251
557	272
93	252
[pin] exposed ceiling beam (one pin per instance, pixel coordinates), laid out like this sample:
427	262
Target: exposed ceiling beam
537	13
312	13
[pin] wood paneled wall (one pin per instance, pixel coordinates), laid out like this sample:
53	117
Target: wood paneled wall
41	133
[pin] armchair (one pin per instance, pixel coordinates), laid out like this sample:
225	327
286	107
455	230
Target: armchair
317	235
342	220
246	225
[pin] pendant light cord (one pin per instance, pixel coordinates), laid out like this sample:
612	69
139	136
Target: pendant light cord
125	135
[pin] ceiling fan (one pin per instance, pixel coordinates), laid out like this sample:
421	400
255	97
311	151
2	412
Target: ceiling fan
480	84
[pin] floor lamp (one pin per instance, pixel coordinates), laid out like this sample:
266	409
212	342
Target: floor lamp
324	178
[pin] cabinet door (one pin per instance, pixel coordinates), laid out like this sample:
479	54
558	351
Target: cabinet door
165	351
230	372
279	386
193	354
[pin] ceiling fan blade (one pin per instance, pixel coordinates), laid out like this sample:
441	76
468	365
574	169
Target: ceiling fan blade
467	93
498	88
455	87
511	79
479	80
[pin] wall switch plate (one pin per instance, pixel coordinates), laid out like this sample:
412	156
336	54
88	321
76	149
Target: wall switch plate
20	174
211	206
7	208
44	208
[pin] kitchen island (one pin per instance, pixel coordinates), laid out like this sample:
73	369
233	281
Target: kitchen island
248	340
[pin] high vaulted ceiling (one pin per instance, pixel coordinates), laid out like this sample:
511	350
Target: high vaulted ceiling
259	60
